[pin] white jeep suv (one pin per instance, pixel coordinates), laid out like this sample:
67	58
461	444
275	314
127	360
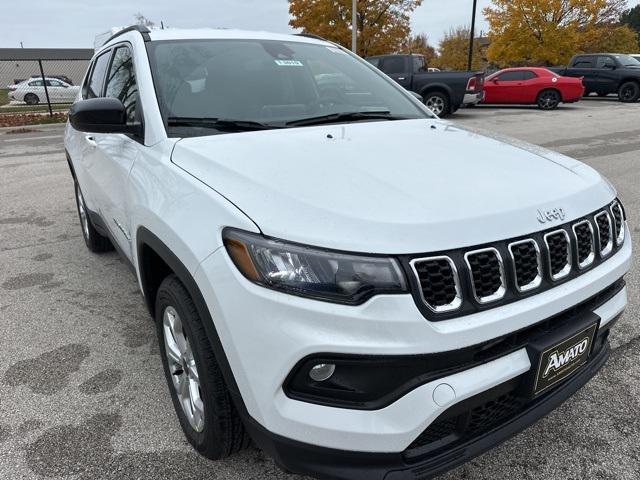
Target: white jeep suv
366	291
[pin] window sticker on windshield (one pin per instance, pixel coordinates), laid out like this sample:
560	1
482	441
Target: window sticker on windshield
288	63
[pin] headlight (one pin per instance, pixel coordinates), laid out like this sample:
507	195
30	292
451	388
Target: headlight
312	272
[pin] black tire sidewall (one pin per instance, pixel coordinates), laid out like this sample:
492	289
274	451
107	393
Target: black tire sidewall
635	97
539	100
31	96
207	440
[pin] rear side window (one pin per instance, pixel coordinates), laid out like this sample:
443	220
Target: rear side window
511	76
393	65
528	75
36	83
53	83
418	64
605	62
121	81
93	87
583	62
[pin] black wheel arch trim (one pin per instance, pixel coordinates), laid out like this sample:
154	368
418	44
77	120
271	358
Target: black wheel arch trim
146	238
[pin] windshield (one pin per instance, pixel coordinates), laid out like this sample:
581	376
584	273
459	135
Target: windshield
268	83
627	60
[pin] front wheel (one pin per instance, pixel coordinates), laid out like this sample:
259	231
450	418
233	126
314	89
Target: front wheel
629	92
548	100
31	99
438	103
199	393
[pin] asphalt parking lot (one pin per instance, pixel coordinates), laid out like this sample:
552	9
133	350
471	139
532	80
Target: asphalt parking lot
82	393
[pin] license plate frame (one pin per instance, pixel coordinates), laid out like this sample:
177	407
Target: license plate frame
564	358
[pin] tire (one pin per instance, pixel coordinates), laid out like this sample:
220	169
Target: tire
213	426
95	242
31	99
438	103
586	93
629	92
548	99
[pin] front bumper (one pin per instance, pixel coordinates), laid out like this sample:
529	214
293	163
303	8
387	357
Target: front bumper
328	463
265	333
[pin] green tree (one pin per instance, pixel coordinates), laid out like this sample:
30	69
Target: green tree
383	25
454	50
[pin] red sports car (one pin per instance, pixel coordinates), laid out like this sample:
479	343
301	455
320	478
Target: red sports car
532	86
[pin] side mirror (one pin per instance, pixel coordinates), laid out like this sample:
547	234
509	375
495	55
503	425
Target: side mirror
101	115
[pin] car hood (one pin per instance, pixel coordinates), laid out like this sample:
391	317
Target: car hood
392	186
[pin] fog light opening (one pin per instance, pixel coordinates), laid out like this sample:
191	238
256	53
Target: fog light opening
322	372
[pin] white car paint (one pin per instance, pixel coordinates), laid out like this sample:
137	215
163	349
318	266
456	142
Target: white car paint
59	91
380	187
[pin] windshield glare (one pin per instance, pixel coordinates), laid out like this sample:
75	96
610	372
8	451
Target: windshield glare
270	82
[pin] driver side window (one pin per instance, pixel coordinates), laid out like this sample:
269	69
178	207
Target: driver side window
121	81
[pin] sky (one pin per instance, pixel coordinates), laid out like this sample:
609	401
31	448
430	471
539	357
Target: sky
74	23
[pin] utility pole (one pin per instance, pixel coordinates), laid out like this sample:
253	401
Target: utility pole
473	32
354	26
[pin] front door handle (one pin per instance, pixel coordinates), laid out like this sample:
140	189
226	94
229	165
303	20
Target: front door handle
401	78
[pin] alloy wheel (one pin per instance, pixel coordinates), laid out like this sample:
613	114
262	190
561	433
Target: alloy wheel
549	100
435	104
182	365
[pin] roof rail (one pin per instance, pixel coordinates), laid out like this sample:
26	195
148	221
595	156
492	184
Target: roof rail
133	28
311	35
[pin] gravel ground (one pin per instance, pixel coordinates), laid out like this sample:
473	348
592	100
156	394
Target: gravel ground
82	394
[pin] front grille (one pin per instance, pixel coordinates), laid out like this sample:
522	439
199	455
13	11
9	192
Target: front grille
461	282
526	264
438	283
618	222
493	412
605	237
559	248
583	232
487	274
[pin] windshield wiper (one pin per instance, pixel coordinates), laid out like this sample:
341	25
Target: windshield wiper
344	117
219	123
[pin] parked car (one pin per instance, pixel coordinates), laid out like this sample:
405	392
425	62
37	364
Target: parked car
32	91
532	86
442	92
365	290
605	73
636	57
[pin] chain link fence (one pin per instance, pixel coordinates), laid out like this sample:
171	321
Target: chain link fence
40	82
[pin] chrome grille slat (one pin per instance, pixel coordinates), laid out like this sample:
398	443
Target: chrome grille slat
605	233
486	287
429	282
557	269
618	217
522	264
585	239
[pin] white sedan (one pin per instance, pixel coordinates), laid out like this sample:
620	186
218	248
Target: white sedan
32	91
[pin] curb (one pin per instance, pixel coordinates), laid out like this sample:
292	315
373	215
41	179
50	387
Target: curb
46	126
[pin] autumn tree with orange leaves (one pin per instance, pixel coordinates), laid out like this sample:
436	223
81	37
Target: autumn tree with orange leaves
550	32
383	25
